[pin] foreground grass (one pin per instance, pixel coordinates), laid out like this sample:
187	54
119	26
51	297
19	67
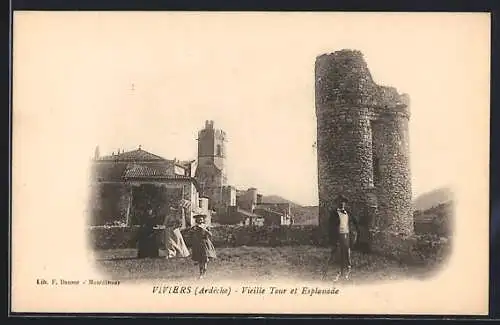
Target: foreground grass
251	263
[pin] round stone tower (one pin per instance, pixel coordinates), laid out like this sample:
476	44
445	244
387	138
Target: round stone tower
362	142
390	132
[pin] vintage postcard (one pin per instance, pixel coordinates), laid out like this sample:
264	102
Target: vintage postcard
250	162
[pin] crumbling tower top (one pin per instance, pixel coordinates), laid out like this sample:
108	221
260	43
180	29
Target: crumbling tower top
344	79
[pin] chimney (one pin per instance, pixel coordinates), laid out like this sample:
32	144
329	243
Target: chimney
96	153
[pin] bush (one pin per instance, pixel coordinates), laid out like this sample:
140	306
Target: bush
109	237
417	249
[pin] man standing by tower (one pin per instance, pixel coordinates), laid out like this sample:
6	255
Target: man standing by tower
340	226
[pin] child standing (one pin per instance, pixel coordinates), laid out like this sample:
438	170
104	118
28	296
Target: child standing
202	248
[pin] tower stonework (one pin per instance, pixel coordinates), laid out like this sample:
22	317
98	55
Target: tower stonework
211	168
362	143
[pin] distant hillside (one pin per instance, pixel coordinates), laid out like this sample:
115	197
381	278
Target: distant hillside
434	212
440	199
276	199
303	215
437	220
433	198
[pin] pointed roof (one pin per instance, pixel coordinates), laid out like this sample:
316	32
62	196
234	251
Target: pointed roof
134	155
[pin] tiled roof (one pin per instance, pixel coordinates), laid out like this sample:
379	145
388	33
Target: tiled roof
246	213
135	155
139	171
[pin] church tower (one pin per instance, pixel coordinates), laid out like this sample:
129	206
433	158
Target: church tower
211	169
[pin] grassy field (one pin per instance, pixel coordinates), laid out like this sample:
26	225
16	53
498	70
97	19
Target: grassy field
251	263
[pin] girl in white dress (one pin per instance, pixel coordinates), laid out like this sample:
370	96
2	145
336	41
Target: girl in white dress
174	242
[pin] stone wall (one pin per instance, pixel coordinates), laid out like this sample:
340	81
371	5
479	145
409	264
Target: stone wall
422	249
223	236
109	203
394	190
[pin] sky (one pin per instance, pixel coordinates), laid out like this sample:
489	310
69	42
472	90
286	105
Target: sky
120	80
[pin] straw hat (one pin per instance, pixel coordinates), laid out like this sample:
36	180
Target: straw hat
199	217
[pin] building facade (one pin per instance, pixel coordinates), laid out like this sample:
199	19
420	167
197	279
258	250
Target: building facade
126	184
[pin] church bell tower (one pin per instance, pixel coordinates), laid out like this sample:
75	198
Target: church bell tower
211	169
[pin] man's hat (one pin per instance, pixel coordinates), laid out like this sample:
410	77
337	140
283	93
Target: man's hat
341	198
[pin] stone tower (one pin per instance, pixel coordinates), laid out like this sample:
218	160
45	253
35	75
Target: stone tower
211	169
362	142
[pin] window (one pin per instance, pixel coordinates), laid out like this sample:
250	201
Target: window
219	150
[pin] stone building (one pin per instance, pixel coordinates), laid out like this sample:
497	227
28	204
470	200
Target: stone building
362	143
247	199
211	172
281	212
125	183
253	211
239	216
272	217
211	168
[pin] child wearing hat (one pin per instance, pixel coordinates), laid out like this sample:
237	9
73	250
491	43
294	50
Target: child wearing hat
202	248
